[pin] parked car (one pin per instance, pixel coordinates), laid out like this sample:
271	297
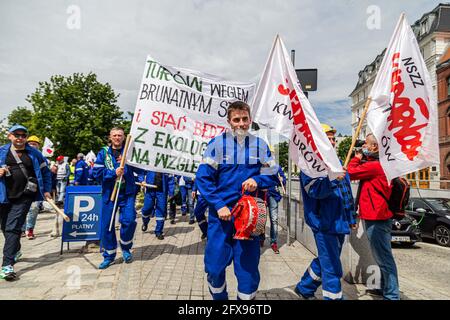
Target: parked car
405	231
433	216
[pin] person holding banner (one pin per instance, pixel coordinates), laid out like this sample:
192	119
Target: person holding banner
330	213
374	211
155	199
107	169
233	162
24	178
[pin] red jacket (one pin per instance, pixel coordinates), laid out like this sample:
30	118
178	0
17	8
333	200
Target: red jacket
372	205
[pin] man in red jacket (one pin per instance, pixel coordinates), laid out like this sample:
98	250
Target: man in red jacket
374	211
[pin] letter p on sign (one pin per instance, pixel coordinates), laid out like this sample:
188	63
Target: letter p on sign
77	208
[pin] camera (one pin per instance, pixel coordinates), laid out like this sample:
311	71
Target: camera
358	147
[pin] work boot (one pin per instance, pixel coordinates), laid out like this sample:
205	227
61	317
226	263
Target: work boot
127	256
144	227
191	221
302	296
204	236
160	236
106	263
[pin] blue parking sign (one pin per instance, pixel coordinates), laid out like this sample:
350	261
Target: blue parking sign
83	205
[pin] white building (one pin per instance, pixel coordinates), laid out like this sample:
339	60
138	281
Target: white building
433	35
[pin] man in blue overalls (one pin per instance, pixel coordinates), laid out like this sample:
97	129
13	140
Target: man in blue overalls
156	198
107	170
330	213
187	202
233	161
200	210
81	171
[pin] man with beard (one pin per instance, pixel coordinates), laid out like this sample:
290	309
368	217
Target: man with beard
232	162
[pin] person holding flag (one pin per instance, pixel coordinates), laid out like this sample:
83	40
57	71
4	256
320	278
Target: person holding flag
375	213
281	105
330	213
107	169
402	116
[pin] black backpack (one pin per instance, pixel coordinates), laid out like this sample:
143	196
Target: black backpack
399	196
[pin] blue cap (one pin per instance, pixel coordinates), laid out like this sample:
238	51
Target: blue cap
16	127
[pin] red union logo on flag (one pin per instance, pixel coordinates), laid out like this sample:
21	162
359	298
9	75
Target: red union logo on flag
402	112
299	118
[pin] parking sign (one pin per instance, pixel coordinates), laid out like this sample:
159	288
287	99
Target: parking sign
83	205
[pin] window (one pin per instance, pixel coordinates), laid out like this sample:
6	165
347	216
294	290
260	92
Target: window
448	88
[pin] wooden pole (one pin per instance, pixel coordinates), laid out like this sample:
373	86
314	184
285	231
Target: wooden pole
122	165
143	184
358	129
281	183
58	210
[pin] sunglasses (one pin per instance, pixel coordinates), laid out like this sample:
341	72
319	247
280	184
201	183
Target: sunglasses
20	135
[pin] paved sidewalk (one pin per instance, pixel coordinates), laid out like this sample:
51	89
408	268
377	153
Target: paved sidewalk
167	269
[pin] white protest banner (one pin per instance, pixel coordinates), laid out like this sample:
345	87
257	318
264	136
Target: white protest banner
177	112
281	105
47	149
402	113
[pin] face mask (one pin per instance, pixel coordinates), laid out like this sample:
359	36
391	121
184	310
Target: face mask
366	152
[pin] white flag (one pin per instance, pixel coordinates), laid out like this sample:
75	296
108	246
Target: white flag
47	149
281	105
403	114
91	157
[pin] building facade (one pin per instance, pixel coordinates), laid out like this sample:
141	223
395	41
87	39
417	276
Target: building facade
443	89
433	35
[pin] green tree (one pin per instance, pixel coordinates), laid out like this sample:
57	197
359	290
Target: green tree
75	112
343	148
283	150
20	115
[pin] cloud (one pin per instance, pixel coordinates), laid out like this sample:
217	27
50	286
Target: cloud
229	38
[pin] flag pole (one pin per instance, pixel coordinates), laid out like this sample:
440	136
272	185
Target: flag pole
288	212
358	129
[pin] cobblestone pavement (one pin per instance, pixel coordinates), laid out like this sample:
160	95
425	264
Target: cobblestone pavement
162	269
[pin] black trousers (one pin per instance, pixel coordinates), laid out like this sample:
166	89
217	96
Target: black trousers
12	218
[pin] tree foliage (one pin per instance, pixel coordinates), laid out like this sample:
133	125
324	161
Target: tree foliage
20	115
75	112
283	151
343	148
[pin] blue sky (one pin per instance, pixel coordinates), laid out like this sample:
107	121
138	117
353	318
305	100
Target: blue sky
228	38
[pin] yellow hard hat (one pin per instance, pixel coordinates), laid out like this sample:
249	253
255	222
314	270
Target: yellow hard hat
34	139
327	128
